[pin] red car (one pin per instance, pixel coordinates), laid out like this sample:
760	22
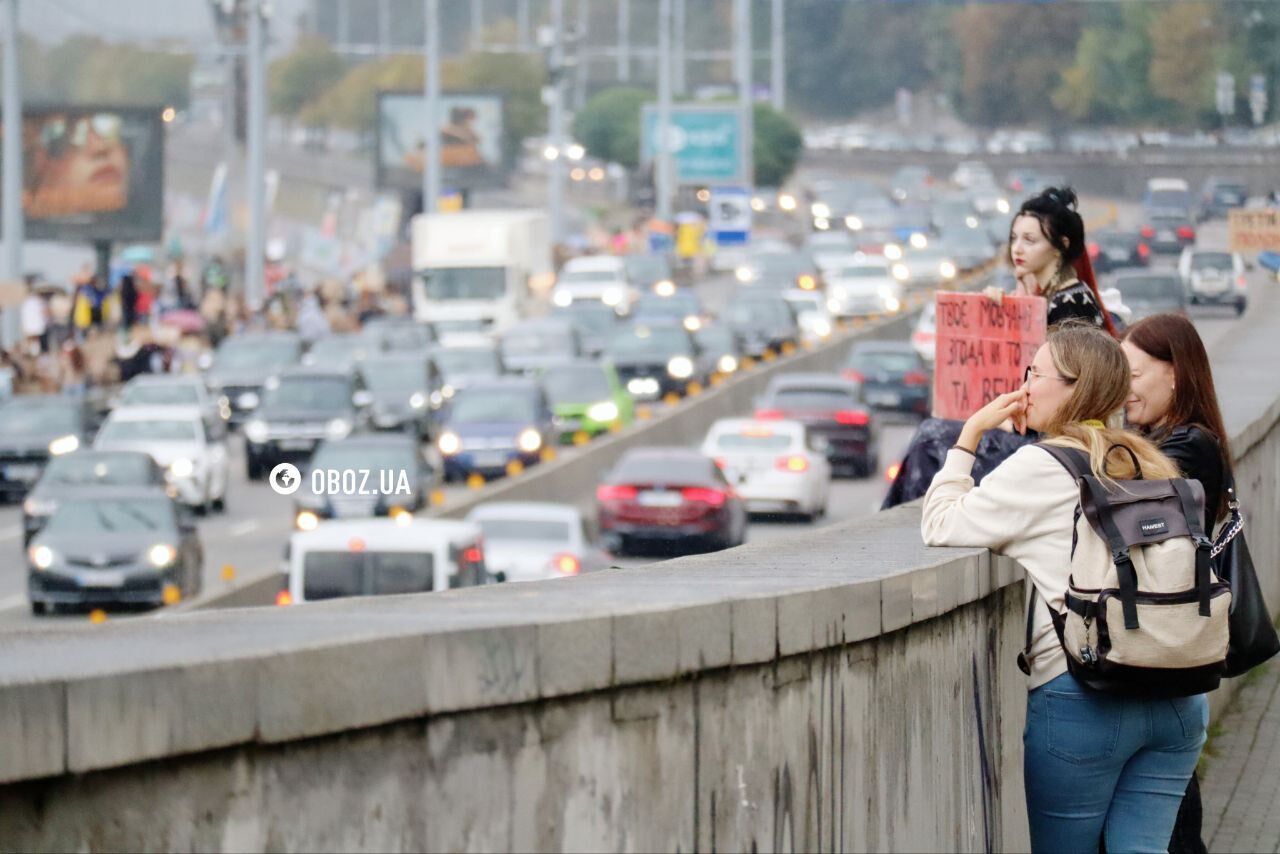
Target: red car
673	496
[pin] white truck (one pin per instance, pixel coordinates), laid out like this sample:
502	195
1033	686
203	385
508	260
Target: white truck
478	272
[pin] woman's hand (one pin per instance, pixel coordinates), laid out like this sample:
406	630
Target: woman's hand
1027	285
1009	406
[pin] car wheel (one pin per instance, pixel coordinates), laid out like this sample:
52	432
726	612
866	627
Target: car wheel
253	469
39	609
1241	306
220	503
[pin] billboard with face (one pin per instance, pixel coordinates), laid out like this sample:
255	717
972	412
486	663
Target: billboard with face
471	131
93	173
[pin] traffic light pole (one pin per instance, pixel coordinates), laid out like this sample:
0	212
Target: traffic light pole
255	244
11	205
431	178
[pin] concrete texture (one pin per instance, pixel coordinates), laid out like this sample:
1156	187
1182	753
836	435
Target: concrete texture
1241	783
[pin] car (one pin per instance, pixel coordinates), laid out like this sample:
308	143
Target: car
774	466
33	428
1219	196
397	334
586	398
657	359
185	391
930	266
874	221
828	247
300	408
123	545
832	408
406	388
990	201
971	173
924	338
721	347
862	285
600	278
595	322
892	376
536	540
342	352
192	451
80	473
675	496
493	423
912	182
1168	229
399	480
781	271
533	344
1214	277
1111	250
1148	292
967	248
681	306
380	557
954	213
816	321
650	271
240	365
461	366
762	320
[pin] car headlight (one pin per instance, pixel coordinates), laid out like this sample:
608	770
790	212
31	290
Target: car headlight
42	557
853	223
161	555
306	520
947	269
417	400
893	251
603	411
665	288
564	299
891	303
727	364
529	441
820	211
182	467
338	428
611	296
919	241
821	328
39	506
742	274
834	305
680	367
971	221
692	323
1002	205
248	400
63	445
901	272
256	431
807	282
449	444
822	224
446	391
787	202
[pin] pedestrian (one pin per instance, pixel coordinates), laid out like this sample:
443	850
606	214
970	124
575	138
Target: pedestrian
74	369
1095	765
59	319
312	324
128	300
34	314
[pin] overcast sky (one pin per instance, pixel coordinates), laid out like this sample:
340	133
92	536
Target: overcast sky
140	20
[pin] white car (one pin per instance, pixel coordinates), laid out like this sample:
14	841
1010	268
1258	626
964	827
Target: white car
925	336
862	285
815	318
595	277
192	451
1214	276
774	466
177	390
535	540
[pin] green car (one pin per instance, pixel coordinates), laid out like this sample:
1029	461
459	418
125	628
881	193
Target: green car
586	397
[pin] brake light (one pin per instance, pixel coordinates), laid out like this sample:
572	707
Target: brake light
792	463
891	473
284	598
1144	251
615	493
355	544
1093	250
915	378
567	564
721	462
1186	232
1241	282
1148	232
852	416
701	495
769	414
474	554
852	376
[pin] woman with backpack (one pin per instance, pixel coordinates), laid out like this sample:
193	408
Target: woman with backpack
1096	765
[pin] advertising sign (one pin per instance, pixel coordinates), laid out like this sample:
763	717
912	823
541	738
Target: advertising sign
706	141
1254	230
983	349
93	173
471	136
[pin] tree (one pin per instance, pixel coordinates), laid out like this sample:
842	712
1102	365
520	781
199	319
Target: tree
609	125
778	146
1109	80
1184	42
301	76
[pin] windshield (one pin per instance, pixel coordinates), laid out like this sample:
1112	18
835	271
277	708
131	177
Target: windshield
585	315
80	517
339	349
671	471
1169	199
1117	241
862	272
329	575
534	342
779	265
397	336
338	456
121	470
150	431
1150	287
647	269
758	311
545	530
157	394
717	339
806	303
754	440
479	283
1211	261
650	340
481	405
250	353
586	277
393	376
453	362
576	384
18	417
679	305
813	398
894	363
1229	192
310	393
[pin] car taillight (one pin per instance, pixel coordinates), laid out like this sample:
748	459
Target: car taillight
721	462
567	564
1144	251
615	493
474	554
701	495
852	376
1148	232
891	473
1094	250
915	378
1186	232
1240	282
922	337
284	598
852	416
769	414
792	463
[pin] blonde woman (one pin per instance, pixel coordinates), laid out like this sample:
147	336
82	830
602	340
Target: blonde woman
1095	765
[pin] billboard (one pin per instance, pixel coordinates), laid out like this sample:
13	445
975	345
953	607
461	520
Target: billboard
471	140
706	141
93	173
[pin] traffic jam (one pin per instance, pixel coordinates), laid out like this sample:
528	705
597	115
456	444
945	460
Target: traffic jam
503	362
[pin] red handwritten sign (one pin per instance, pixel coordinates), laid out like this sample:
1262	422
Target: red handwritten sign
1254	230
983	349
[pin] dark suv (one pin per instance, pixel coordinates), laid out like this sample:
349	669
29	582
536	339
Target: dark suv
242	363
301	407
34	427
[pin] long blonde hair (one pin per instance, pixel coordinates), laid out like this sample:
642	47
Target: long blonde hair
1099	372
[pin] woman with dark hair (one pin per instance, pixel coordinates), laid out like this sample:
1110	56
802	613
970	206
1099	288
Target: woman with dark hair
1173	403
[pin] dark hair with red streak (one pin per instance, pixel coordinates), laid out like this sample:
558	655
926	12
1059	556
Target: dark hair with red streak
1172	338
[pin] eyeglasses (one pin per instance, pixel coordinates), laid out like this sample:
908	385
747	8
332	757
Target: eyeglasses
58	134
1031	372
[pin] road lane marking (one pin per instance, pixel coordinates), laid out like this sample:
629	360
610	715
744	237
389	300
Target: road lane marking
248	526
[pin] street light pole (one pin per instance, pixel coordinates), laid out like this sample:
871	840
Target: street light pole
255	245
742	75
555	192
624	40
522	24
580	49
778	57
663	178
678	83
11	205
431	85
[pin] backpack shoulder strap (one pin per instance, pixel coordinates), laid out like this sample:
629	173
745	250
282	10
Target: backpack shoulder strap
1074	460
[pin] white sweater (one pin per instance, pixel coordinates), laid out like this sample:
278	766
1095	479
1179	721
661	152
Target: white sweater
1024	509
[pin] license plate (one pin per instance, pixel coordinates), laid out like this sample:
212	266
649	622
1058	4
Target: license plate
1118	255
297	444
659	499
102	578
22	472
1165	235
489	459
884	398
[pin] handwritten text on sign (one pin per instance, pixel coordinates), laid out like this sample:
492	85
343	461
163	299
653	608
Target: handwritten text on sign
1254	230
983	349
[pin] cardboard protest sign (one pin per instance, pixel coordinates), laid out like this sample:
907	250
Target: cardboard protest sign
983	349
1254	230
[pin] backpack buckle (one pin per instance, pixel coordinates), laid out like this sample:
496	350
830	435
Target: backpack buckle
1202	542
1121	556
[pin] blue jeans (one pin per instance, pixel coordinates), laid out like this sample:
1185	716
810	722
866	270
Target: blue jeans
1096	764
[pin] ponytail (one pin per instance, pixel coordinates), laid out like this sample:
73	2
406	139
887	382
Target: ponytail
1084	272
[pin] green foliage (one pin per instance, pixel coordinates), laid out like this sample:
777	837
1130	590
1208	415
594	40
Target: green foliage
87	69
609	125
298	78
778	146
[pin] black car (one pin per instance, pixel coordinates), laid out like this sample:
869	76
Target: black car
79	474
396	334
33	428
596	323
300	408
892	376
398	479
1168	229
762	321
1220	196
721	347
117	546
534	344
242	363
1148	292
648	270
681	307
406	391
1111	250
832	408
461	366
342	352
656	359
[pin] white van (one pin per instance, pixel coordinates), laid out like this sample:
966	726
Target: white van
376	557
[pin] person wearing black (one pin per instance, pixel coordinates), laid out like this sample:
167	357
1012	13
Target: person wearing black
1172	402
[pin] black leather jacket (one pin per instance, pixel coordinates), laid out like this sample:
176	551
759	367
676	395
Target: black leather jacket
928	450
1199	456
